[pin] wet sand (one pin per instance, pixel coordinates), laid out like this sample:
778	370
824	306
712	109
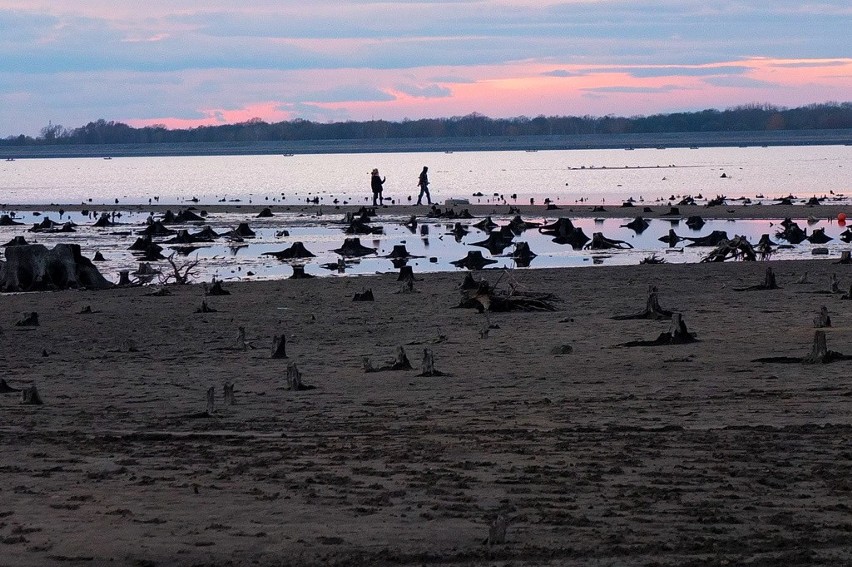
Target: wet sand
670	455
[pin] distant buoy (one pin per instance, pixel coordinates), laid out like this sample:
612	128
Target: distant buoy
841	217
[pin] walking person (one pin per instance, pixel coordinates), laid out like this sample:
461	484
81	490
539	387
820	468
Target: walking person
376	183
423	183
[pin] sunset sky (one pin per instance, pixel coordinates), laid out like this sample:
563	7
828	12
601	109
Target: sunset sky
190	63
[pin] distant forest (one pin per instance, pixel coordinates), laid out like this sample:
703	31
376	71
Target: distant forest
749	118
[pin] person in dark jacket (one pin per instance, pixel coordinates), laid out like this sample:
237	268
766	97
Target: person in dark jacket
423	183
376	183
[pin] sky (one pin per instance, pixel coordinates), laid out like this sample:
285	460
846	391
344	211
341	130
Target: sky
191	63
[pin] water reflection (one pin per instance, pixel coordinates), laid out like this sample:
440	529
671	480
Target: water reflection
443	246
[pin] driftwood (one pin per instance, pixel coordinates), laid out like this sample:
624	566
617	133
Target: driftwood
428	364
768	283
737	248
294	379
31	397
652	309
652	259
279	346
34	267
480	295
819	354
677	334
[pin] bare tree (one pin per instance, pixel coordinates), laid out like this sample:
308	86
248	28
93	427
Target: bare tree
182	273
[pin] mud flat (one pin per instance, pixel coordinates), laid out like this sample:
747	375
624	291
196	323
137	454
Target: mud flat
586	451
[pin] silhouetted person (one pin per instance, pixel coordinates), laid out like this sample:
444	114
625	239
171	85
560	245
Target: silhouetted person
376	183
423	183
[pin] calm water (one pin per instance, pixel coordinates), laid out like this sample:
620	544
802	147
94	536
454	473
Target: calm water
565	176
598	176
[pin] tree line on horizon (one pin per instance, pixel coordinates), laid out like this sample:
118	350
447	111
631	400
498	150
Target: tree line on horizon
753	117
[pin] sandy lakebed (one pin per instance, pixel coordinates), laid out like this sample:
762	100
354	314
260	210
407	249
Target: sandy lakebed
588	452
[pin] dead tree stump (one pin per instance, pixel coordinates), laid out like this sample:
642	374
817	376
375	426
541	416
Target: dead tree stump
822	319
6	388
216	289
652	308
768	283
228	393
406	273
211	396
677	334
299	273
366	295
30	397
401	362
279	346
819	351
124	278
205	308
294	379
845	258
428	365
834	284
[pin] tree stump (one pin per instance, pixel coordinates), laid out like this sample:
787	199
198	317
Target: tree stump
294	379
365	295
216	289
406	273
228	393
677	334
296	250
652	308
768	283
299	273
211	396
401	362
124	278
834	285
822	319
30	397
6	388
428	364
279	346
819	350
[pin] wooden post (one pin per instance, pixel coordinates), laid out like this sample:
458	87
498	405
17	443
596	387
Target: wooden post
228	393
